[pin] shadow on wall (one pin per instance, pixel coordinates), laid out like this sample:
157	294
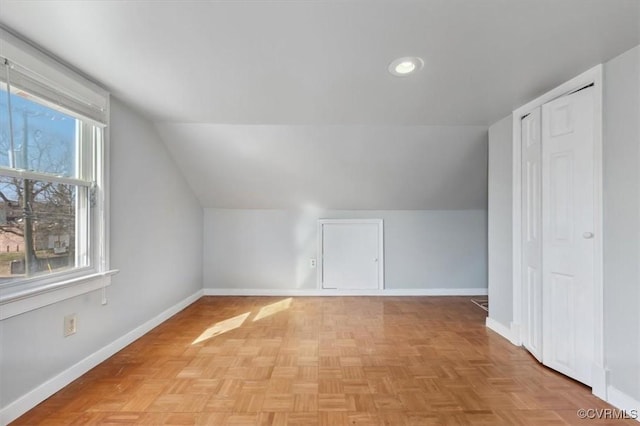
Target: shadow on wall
306	241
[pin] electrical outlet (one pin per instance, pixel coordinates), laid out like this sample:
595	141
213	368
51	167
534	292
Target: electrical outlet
312	263
70	325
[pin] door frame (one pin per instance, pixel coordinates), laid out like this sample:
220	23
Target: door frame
378	222
591	76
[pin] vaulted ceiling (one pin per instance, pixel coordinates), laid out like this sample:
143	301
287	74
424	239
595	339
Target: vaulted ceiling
303	86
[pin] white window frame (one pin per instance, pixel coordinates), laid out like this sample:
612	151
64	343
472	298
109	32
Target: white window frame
64	89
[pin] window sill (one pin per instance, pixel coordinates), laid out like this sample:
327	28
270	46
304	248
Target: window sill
16	303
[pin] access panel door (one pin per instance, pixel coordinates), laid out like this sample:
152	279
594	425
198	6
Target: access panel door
351	255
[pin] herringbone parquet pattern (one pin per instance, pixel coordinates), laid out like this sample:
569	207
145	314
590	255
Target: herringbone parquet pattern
321	361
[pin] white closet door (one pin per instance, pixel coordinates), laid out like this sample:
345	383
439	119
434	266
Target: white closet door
568	240
532	233
351	255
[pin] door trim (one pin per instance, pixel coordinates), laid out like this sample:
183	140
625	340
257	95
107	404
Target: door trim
379	222
591	76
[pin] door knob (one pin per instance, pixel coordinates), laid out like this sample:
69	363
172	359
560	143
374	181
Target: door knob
587	235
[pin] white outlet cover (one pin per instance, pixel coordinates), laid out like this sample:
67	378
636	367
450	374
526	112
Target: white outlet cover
70	325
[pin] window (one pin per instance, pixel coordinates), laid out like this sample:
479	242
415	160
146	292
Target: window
45	185
52	173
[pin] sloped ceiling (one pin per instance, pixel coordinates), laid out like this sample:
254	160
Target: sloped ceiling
306	83
333	167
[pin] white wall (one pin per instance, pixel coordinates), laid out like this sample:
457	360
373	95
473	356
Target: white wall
270	249
622	221
500	267
156	242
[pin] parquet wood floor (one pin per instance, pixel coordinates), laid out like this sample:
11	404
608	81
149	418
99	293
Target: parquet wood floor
321	361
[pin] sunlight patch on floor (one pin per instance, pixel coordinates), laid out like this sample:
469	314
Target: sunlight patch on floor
222	327
273	308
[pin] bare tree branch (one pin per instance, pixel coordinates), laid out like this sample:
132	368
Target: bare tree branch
11	230
43	188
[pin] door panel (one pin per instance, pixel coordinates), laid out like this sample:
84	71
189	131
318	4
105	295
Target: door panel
531	238
561	197
350	256
534	315
567	224
563	292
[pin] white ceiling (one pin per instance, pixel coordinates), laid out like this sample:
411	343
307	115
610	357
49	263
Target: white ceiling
279	71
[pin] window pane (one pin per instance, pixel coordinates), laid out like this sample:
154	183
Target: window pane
37	227
44	140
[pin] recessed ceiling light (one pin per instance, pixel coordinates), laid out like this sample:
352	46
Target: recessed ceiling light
405	66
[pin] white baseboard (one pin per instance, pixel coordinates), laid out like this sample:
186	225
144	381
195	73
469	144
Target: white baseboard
334	292
499	328
624	402
45	390
599	379
516	339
